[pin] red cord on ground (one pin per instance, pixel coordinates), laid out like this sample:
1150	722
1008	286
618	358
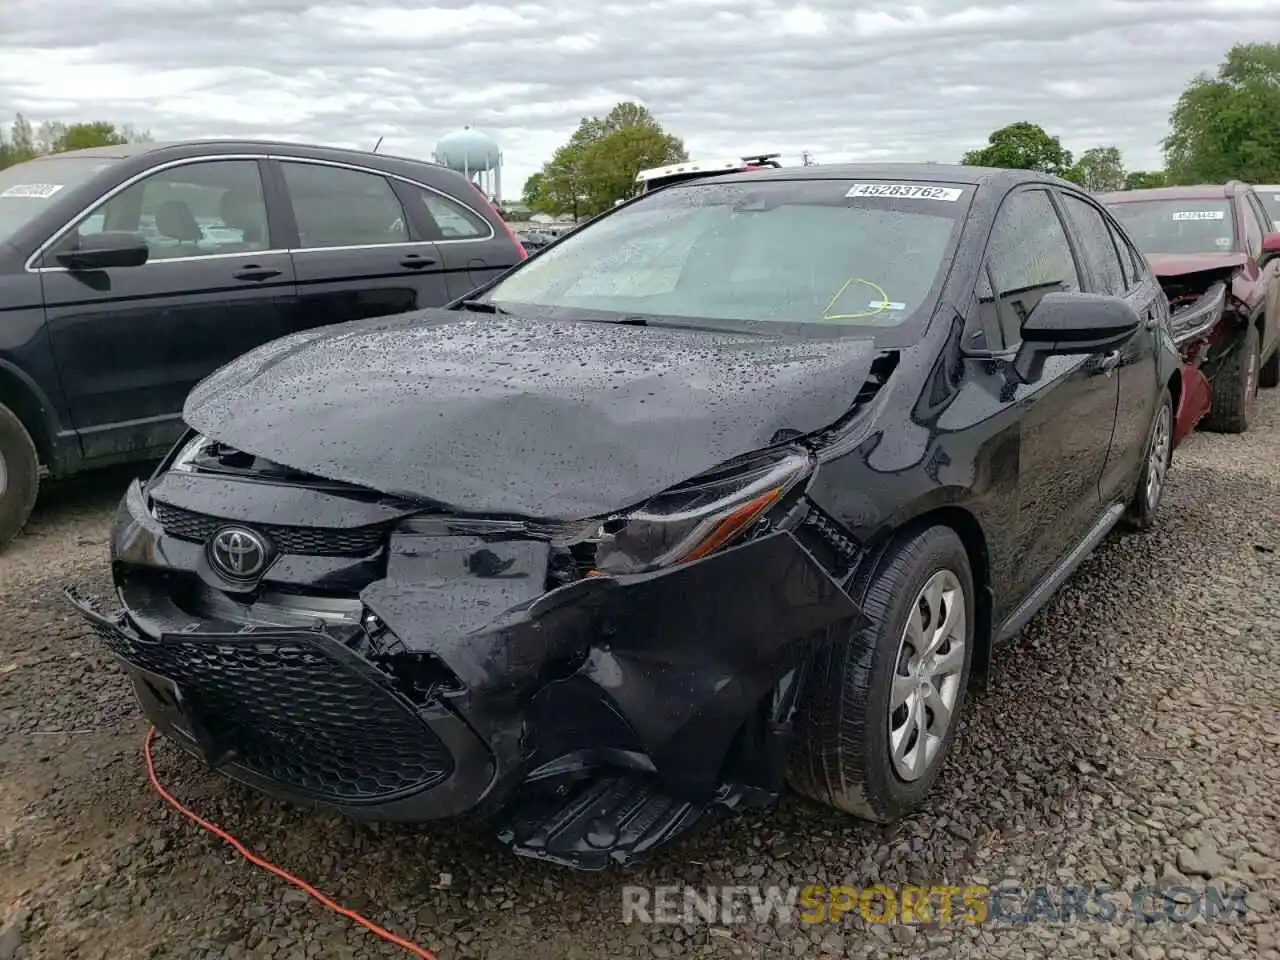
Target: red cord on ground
257	861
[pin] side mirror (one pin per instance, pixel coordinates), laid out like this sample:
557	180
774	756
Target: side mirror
98	251
1072	323
1270	248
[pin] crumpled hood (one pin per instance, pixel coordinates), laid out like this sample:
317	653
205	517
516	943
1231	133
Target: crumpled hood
532	417
1179	264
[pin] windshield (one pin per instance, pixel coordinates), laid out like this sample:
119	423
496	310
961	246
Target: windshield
826	252
1178	226
28	188
1270	197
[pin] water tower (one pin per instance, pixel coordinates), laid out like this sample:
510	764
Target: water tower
474	155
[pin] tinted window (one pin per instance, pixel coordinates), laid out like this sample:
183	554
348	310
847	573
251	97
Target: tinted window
337	207
1096	246
1131	260
191	210
781	251
1252	228
1264	218
26	189
454	221
1178	226
1270	197
1028	256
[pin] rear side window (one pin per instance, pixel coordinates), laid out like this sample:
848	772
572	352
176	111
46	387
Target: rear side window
1096	246
339	207
1270	197
453	220
1252	228
1027	257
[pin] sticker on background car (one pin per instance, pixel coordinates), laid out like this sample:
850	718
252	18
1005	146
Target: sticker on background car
1200	215
904	191
34	191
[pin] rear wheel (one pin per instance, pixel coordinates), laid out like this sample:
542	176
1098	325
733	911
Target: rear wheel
19	475
1141	512
1236	387
881	705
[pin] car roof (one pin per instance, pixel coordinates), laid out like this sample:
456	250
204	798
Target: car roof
229	145
925	172
1200	191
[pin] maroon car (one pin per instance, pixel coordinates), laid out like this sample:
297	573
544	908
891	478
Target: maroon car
1217	256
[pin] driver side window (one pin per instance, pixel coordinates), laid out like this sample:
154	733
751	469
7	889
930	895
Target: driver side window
1028	256
195	209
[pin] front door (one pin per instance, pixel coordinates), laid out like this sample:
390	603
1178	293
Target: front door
1070	407
356	253
131	342
1114	269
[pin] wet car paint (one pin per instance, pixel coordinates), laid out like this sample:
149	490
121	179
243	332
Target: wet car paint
525	416
576	711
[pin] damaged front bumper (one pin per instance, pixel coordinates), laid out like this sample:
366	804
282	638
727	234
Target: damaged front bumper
594	720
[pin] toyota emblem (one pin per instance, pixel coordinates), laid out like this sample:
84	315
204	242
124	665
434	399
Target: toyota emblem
238	553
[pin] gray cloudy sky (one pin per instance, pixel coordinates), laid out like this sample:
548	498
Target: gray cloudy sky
921	80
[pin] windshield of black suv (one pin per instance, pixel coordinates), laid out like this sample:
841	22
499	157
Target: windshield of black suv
831	253
1270	197
1178	226
26	189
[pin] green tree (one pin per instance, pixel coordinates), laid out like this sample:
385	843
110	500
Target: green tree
597	166
1099	169
533	191
1022	146
1227	126
1145	179
22	140
81	136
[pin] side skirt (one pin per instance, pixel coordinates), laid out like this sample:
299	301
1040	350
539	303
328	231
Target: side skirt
1059	575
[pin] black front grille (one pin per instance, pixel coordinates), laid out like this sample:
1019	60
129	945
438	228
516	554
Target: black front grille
312	541
300	710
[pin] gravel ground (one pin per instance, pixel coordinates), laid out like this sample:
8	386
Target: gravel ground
1130	737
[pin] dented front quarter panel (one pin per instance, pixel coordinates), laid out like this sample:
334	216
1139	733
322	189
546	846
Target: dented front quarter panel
665	666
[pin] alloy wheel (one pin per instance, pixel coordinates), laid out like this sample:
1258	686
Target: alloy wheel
927	674
1158	459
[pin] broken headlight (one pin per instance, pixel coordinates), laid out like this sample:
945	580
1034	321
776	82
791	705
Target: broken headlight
696	519
188	452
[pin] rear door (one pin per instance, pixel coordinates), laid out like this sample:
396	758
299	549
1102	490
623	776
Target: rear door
131	342
356	254
1270	280
1134	365
474	250
1069	412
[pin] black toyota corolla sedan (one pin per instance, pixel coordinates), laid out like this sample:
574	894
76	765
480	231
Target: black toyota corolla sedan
736	486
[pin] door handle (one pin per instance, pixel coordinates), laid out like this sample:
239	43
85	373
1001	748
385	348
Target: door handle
1110	362
415	261
255	272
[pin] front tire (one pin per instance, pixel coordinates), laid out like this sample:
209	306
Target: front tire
1141	512
881	706
1236	387
19	475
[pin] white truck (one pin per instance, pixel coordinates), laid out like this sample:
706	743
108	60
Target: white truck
657	177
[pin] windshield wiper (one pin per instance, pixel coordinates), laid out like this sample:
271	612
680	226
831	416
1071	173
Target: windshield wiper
481	306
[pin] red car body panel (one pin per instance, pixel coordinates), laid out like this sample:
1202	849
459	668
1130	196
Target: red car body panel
1196	399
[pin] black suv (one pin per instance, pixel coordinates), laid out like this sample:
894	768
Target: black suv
129	273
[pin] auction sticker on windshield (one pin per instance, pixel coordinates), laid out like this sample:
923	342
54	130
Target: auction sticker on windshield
1200	215
34	191
904	191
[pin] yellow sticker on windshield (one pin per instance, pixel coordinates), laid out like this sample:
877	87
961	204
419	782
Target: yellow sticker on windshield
33	191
